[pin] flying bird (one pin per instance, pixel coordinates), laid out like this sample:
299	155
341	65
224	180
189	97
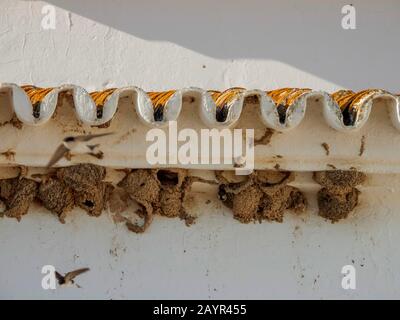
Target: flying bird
77	145
68	279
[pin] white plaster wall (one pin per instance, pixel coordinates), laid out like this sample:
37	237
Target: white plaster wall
167	44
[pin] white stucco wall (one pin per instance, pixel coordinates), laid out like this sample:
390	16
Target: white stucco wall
161	45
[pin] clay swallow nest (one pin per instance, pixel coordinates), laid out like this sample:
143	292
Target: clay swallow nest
59	191
262	195
156	191
338	196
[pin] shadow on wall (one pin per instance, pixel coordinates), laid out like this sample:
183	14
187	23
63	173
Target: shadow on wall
305	34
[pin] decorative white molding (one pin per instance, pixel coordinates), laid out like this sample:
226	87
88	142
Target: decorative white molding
86	110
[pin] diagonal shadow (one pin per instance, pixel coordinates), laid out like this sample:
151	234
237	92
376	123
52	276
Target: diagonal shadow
305	34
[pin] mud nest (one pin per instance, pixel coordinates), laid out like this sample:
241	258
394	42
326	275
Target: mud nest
56	197
158	192
17	195
81	185
339	195
263	195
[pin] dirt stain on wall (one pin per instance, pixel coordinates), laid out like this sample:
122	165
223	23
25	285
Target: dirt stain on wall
326	147
8	154
362	146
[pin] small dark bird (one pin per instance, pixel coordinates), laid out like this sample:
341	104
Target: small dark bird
68	279
78	145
